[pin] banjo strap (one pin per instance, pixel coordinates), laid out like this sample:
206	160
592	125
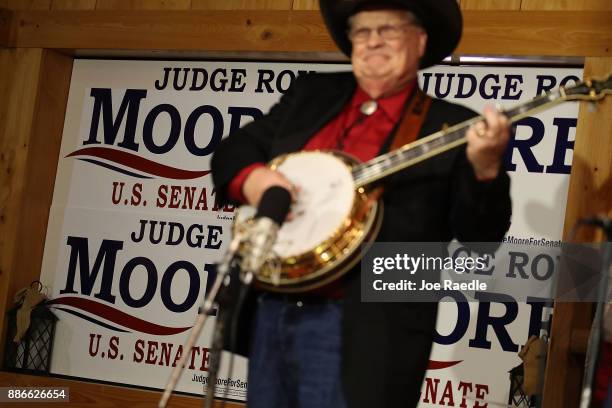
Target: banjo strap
408	130
412	121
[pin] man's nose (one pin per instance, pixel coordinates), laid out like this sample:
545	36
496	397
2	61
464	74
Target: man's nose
375	39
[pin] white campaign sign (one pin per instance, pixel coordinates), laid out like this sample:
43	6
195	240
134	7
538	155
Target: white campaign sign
134	229
478	344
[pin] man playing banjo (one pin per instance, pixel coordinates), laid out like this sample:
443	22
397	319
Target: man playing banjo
324	347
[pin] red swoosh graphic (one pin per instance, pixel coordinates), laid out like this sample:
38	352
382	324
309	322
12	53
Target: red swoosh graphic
117	316
138	163
438	365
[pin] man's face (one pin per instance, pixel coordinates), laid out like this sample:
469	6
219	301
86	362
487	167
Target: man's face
386	47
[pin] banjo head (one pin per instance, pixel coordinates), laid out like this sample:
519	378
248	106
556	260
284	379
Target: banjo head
331	219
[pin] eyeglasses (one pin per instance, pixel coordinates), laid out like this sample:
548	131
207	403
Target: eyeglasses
387	32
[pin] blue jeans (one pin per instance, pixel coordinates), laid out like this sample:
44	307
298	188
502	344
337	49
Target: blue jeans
295	356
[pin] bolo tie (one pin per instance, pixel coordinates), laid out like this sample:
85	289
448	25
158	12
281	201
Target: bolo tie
365	109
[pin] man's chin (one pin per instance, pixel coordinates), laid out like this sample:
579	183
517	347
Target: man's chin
376	61
376	75
380	68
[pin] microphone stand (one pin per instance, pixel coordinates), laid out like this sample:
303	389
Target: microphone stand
228	268
595	336
247	253
229	300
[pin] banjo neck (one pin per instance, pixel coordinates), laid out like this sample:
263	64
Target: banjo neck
337	219
453	136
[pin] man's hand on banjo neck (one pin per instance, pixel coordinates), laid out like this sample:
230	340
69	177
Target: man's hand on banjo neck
486	144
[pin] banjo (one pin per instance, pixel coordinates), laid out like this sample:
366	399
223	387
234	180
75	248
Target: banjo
336	216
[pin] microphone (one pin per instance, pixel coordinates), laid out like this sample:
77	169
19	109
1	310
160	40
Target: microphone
261	234
247	254
254	248
274	204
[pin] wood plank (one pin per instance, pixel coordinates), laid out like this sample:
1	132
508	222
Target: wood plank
590	189
90	395
590	193
579	341
490	4
7	28
73	5
241	5
25	4
305	5
564	368
549	33
602	5
269	30
19	76
486	32
43	153
143	4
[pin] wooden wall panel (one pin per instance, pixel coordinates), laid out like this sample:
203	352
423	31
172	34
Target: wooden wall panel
285	4
19	74
7	27
241	4
490	4
26	4
485	32
34	94
73	5
464	4
43	152
536	33
143	4
590	193
89	395
244	30
305	4
590	190
566	5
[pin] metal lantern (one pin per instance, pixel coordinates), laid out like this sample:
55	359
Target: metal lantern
32	354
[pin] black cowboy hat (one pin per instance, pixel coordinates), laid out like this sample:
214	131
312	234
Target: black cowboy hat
440	18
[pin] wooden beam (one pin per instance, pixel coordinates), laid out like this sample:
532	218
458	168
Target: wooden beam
490	4
91	395
25	4
35	91
143	4
305	5
19	80
566	5
7	28
551	33
590	193
218	30
41	166
579	341
241	5
73	5
590	188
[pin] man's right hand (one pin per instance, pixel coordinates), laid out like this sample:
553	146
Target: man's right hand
261	179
